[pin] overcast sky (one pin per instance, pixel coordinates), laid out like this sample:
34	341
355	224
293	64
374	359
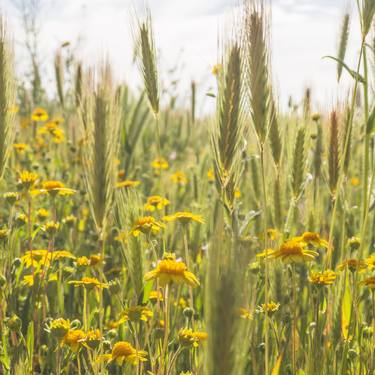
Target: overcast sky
186	34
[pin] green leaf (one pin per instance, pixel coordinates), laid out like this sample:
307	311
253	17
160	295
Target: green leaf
353	73
30	341
346	309
371	121
276	368
146	292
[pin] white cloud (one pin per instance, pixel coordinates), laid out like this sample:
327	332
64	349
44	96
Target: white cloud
186	31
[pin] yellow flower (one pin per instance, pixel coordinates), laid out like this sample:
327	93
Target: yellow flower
354	243
155	295
127	184
159	164
58	136
27	179
184	217
35	258
188	337
322	278
73	338
237	194
4	233
53	188
59	327
354	181
270	307
211	175
172	271
155	202
371	262
20	146
11	197
179	178
137	313
42	214
51	227
369	282
291	251
123	352
146	225
217	69
244	313
93	260
39	114
313	239
92	339
353	265
89	283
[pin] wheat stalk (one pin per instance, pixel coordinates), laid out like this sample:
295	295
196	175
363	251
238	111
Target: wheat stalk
333	153
59	76
343	43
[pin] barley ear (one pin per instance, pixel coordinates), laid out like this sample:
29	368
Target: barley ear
59	76
146	58
333	153
343	43
299	161
7	98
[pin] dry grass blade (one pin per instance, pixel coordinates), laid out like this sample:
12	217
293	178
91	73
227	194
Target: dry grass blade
343	43
7	98
299	161
78	85
307	104
147	62
257	66
318	152
333	153
227	137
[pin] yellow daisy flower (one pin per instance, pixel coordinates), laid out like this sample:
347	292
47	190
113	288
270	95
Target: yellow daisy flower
188	337
39	114
179	178
155	202
184	217
322	278
146	225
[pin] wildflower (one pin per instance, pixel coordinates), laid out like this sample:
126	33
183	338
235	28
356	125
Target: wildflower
354	181
271	307
172	271
70	220
322	278
155	295
4	233
146	225
39	114
179	178
55	187
127	184
11	197
237	194
211	175
244	313
216	69
42	214
20	147
59	327
354	243
58	136
89	283
35	258
123	352
92	339
188	337
51	227
315	117
184	217
313	239
353	265
21	219
159	163
155	202
371	262
369	282
291	251
27	179
73	338
137	313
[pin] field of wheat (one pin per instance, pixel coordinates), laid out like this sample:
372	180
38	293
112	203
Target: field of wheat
139	238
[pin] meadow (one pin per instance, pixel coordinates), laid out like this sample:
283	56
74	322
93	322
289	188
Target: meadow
139	238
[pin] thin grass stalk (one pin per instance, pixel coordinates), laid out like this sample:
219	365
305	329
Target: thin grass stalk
333	153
